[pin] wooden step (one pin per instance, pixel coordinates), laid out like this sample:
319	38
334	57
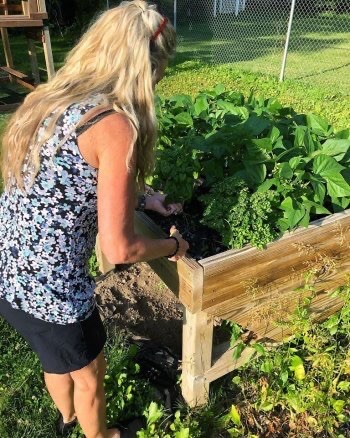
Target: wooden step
25	21
19	77
15	73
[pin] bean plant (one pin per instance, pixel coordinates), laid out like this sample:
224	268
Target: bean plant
292	167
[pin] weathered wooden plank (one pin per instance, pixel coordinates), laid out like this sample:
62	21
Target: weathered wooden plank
10	21
19	77
33	61
50	68
7	50
10	8
42	6
323	243
269	319
223	361
167	272
197	342
15	73
322	306
27	84
184	278
33	5
275	297
103	264
38	16
25	7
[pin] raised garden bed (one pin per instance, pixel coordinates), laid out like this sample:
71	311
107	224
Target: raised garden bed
265	172
258	289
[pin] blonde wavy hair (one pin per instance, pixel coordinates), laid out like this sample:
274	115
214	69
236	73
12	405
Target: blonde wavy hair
118	58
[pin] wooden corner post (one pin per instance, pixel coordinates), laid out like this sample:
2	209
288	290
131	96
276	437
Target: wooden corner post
197	342
197	345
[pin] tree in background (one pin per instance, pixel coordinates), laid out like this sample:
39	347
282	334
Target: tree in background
76	12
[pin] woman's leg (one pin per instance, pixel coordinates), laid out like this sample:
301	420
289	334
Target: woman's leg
90	401
60	387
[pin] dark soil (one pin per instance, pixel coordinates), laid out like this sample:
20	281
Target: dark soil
204	241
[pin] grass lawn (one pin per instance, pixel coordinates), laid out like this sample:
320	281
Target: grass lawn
192	77
319	46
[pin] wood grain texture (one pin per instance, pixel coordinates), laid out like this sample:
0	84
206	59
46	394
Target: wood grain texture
277	326
103	264
257	288
50	68
10	21
197	342
184	278
33	61
223	361
15	73
324	246
7	48
277	299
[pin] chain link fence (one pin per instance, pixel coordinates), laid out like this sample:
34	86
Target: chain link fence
252	35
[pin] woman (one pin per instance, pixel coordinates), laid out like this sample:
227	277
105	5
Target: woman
74	154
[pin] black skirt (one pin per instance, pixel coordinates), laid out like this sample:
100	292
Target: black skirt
61	348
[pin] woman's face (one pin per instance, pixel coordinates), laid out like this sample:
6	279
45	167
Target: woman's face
159	74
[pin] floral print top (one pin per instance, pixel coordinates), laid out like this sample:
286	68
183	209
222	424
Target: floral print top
47	234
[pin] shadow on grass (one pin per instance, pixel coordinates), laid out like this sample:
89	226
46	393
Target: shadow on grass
248	37
309	75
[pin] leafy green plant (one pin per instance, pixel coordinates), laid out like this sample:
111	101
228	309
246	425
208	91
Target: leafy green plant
126	392
239	216
303	381
232	422
292	167
158	427
93	265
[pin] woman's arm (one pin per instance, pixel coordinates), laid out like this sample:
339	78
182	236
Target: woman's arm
111	140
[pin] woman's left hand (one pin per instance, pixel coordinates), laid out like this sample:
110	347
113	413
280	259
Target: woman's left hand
156	202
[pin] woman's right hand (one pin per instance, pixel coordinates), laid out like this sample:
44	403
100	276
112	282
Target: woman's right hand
183	244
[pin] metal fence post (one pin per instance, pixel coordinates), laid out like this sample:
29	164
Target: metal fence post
287	39
284	61
175	14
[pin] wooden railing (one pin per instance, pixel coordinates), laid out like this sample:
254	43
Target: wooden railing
22	13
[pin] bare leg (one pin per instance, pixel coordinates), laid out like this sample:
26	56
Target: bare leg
60	387
90	401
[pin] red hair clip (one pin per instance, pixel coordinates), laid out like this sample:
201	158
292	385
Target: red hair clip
160	29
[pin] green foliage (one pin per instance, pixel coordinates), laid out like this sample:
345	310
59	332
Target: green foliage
93	265
304	380
326	96
158	427
26	409
239	216
126	392
301	386
269	168
232	422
